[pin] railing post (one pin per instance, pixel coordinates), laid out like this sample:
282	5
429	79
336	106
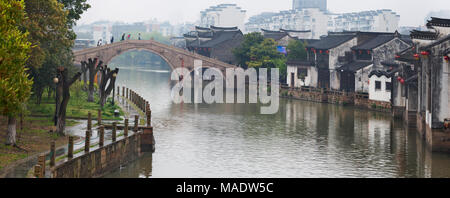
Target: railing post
99	117
89	124
41	163
125	130
149	118
136	123
123	92
87	142
38	171
127	94
114	131
70	149
52	153
101	136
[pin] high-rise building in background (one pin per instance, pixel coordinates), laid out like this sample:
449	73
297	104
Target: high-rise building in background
303	4
223	15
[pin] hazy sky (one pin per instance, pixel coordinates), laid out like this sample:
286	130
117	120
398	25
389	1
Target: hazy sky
412	12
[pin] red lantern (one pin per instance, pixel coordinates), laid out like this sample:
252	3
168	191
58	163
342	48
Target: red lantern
399	78
328	51
397	56
360	52
425	53
446	58
314	50
416	56
402	81
368	51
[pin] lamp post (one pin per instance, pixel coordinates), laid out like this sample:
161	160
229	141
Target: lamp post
56	81
114	87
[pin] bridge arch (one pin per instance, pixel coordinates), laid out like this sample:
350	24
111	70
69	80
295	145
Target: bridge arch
172	67
175	57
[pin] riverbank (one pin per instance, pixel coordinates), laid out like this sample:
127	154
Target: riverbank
35	135
32	138
335	97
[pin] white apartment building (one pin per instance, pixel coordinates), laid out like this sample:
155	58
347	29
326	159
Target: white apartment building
312	19
367	21
320	22
223	15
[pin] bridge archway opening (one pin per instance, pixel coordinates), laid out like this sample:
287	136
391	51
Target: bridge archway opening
140	57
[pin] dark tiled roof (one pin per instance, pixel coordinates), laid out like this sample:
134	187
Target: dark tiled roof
374	43
331	41
389	63
218	38
275	35
224	28
379	73
308	41
202	28
355	66
439	22
297	31
381	39
438	42
423	35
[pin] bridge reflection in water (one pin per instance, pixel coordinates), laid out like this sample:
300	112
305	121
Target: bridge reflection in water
302	140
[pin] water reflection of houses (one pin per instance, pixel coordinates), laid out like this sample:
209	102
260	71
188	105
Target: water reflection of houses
408	75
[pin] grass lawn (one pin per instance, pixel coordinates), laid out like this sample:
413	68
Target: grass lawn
36	136
78	107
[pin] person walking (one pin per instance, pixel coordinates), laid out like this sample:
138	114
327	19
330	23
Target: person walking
123	37
139	36
129	36
112	39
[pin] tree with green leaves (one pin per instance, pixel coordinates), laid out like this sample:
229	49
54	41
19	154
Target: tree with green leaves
51	39
296	50
242	53
15	86
266	55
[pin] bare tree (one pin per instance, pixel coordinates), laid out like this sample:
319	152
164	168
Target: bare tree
93	69
108	79
63	91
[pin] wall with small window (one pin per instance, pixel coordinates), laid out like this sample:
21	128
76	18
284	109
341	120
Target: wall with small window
302	76
380	88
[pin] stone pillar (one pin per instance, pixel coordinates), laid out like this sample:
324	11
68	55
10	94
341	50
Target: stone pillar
89	124
99	117
147	140
87	142
70	149
114	131
52	153
101	136
136	123
125	130
41	163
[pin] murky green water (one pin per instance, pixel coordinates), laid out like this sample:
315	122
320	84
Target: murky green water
303	140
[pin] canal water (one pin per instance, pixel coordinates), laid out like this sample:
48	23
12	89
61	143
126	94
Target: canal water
303	139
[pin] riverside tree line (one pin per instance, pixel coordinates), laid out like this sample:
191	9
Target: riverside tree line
36	40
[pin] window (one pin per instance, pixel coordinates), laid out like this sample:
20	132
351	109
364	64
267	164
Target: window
377	85
302	73
388	86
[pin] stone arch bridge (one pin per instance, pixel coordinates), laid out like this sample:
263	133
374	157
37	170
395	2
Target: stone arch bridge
175	57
